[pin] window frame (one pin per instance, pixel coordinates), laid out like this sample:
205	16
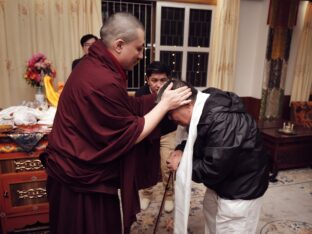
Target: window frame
185	48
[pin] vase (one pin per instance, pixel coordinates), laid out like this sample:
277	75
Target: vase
39	96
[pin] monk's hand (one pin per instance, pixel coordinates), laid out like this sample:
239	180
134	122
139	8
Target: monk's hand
174	160
173	99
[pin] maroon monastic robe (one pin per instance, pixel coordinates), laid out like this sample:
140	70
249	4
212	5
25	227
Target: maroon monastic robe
92	144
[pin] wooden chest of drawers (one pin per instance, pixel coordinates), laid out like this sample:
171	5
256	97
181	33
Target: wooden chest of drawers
289	151
22	186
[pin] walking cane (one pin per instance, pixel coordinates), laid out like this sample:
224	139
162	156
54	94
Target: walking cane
162	202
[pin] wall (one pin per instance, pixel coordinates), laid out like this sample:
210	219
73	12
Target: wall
251	48
252	38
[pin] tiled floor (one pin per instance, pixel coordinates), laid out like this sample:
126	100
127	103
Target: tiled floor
287	207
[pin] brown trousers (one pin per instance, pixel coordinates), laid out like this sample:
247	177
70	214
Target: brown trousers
167	145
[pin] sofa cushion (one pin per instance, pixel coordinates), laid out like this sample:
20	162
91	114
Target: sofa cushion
301	113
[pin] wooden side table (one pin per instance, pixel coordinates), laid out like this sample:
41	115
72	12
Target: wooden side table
22	186
289	151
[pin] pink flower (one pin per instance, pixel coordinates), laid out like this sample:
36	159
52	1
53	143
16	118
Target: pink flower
37	67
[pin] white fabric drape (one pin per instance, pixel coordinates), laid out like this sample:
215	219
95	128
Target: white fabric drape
52	27
224	45
302	82
184	172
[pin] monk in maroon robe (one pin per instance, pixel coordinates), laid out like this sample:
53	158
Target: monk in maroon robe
95	147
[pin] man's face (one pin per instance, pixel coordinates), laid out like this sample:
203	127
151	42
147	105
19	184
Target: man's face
156	80
132	52
182	115
87	44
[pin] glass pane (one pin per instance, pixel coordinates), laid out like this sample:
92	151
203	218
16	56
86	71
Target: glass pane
172	26
199	28
174	60
197	68
136	76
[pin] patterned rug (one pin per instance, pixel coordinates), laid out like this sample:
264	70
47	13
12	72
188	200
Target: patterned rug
287	207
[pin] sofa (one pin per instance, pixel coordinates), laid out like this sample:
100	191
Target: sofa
301	113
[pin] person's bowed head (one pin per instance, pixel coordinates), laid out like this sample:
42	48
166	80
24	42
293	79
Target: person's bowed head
182	115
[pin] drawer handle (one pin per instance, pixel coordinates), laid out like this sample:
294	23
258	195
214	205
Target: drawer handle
32	193
6	194
28	165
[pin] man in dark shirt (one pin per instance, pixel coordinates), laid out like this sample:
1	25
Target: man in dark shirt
86	41
156	75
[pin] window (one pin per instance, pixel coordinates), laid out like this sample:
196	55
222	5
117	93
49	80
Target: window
180	39
183	36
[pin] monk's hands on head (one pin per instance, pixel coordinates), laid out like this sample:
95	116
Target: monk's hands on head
172	99
174	160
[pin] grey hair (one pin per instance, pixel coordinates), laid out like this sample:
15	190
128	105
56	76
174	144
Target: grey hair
121	25
176	84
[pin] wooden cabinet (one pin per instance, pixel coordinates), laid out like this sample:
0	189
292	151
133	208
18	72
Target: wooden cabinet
289	151
22	186
286	150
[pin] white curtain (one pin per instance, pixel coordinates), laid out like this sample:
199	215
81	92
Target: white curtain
302	82
224	45
53	27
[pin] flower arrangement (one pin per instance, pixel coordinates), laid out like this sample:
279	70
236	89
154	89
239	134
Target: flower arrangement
38	66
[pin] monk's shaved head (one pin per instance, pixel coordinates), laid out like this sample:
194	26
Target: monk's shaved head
121	25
